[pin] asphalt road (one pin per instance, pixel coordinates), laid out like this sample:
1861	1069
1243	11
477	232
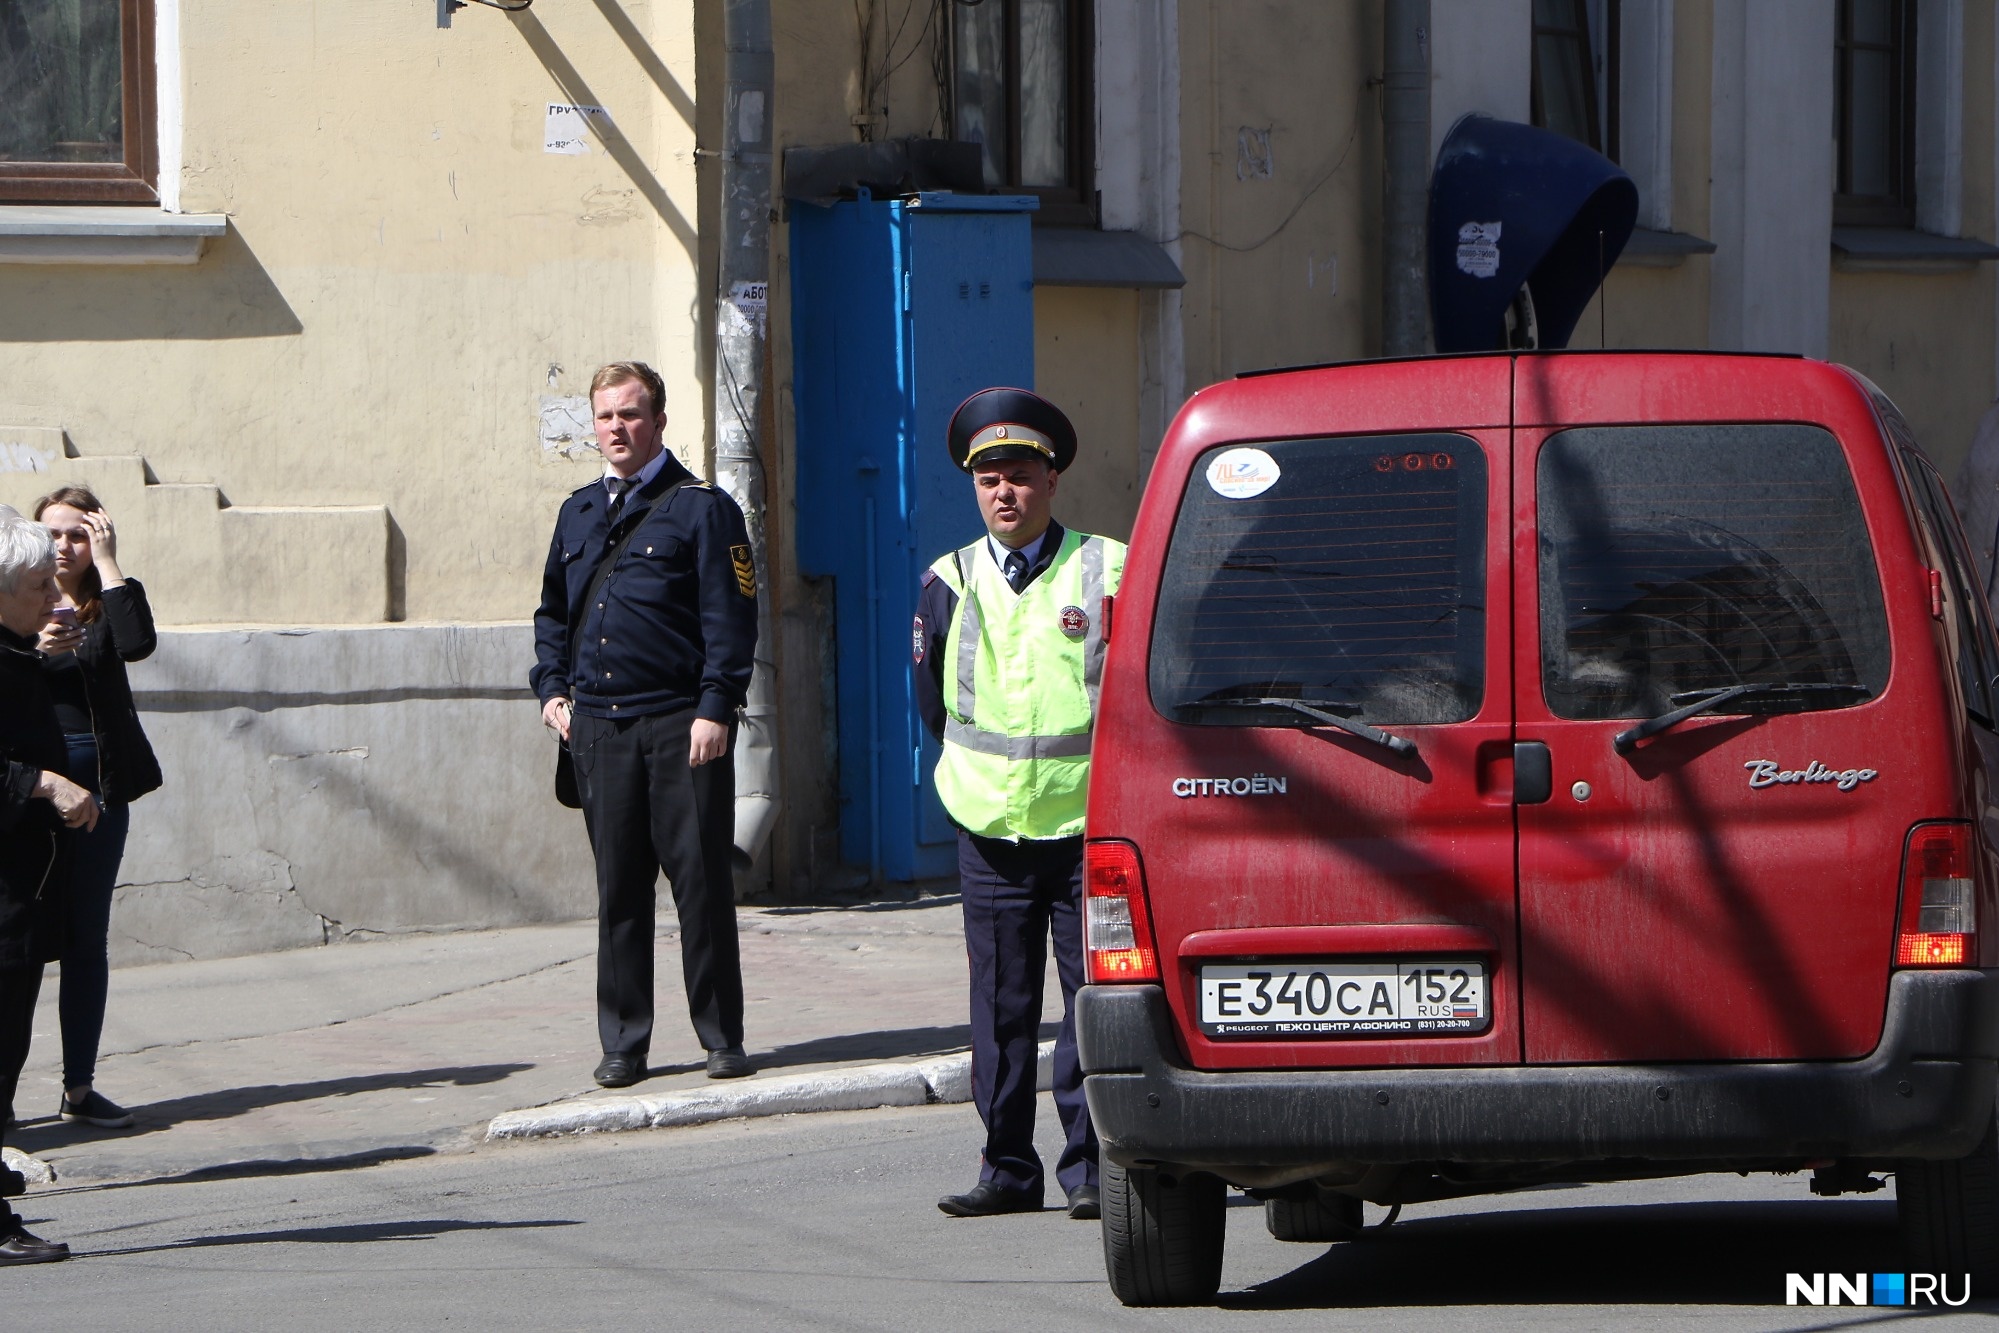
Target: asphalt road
828	1222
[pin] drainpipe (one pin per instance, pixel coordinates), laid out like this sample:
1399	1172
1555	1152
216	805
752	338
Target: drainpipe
1405	124
741	338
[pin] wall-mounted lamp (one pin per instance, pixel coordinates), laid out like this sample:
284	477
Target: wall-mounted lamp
445	8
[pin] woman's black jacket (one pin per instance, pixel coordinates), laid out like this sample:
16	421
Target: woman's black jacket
126	767
33	864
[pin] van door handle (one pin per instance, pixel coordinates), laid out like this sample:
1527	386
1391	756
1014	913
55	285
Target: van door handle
1533	773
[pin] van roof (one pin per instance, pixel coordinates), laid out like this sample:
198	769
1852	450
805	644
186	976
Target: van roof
1477	356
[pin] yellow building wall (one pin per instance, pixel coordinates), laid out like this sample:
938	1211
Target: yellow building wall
1086	363
407	275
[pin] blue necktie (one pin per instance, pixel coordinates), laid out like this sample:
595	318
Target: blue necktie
1016	570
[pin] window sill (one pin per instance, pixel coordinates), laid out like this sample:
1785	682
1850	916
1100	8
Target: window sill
1085	257
1902	250
1661	249
108	234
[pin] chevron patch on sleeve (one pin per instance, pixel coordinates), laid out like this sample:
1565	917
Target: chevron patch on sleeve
746	570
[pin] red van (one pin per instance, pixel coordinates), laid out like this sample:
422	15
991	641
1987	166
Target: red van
1538	768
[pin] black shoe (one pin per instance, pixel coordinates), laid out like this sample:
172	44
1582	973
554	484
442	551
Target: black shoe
12	1183
1085	1203
986	1199
22	1248
729	1062
95	1109
620	1071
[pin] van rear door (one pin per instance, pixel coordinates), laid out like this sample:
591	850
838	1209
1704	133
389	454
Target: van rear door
1725	887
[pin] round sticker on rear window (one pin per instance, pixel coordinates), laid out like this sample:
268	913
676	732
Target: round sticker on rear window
1238	474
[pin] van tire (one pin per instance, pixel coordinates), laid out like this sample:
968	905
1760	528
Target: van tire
1949	1213
1318	1217
1163	1236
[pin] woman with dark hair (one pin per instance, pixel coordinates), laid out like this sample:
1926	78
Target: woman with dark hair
101	623
36	803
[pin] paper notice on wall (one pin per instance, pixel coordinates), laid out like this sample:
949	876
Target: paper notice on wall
568	127
565	428
1478	249
749	302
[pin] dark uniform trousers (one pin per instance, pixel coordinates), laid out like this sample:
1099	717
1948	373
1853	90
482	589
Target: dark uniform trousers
647	811
1015	894
18	988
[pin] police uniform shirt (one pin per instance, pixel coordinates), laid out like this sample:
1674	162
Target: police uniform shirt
936	604
674	625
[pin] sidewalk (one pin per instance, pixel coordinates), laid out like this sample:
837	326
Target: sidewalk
415	1045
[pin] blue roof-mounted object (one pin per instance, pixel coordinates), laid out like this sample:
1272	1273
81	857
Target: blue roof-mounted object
1514	206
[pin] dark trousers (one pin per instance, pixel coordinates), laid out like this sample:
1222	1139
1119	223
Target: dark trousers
94	857
18	988
648	812
1015	895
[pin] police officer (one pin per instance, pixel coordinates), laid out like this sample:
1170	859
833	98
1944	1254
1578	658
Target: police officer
1009	649
643	649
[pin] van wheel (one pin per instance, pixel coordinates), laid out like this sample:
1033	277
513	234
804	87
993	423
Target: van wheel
1163	1238
1949	1212
1318	1217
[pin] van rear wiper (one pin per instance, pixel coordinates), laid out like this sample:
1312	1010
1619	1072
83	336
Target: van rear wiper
1766	697
1316	710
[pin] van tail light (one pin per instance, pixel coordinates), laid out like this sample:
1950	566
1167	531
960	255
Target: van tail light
1939	926
1117	929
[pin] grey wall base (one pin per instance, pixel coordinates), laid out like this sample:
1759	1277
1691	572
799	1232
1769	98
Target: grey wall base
335	784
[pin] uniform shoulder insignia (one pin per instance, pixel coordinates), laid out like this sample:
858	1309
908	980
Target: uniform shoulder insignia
699	485
929	577
746	570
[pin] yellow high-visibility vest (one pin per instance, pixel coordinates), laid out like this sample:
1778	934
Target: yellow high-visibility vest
1021	673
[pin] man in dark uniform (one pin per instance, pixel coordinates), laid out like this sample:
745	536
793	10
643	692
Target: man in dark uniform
643	650
1009	649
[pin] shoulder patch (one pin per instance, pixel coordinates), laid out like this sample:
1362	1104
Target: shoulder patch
746	570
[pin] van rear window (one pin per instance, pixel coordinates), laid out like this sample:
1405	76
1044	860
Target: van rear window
1346	573
1677	559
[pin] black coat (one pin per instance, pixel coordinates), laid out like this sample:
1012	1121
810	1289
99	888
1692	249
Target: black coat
126	766
33	867
677	625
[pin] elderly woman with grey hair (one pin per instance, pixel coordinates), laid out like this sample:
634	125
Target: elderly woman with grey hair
36	802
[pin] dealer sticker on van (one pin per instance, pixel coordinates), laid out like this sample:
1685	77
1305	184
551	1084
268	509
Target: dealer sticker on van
1343	999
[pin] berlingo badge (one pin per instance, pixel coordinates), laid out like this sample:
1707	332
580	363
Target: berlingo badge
1075	623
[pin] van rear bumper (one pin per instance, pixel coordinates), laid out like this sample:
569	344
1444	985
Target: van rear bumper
1925	1092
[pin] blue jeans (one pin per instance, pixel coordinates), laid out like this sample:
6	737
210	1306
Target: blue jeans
86	964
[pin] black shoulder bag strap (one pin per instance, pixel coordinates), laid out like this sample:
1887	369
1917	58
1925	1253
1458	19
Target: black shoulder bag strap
566	792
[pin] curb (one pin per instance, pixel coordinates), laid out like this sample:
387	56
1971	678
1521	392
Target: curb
34	1169
857	1088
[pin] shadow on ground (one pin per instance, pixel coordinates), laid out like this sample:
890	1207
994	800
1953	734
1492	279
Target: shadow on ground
1657	1254
224	1103
360	1233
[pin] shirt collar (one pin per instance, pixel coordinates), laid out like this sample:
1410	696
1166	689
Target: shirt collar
1030	551
645	474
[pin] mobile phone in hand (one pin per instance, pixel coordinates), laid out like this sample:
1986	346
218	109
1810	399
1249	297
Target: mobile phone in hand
64	616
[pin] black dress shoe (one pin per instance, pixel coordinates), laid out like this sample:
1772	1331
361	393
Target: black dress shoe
1085	1203
986	1199
22	1248
620	1071
729	1062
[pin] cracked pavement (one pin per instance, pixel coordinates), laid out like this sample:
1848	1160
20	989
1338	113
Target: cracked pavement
408	1046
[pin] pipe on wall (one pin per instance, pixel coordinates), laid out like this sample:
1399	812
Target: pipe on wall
1405	123
741	340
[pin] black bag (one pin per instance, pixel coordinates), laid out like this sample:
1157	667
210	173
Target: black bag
566	791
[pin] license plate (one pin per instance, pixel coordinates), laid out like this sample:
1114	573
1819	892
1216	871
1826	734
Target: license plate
1343	999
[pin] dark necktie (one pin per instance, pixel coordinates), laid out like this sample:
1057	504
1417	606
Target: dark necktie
1016	570
619	485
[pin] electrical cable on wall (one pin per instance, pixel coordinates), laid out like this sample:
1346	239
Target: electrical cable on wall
510	6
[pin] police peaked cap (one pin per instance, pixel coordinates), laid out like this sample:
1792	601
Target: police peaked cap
994	425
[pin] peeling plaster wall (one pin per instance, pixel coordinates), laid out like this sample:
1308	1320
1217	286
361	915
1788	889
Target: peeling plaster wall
335	784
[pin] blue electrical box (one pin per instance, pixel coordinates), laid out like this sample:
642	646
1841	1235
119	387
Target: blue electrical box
901	309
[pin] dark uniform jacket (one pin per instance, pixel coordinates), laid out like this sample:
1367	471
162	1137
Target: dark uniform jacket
32	856
126	766
675	625
935	605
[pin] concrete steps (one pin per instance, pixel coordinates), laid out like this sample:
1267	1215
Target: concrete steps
205	561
